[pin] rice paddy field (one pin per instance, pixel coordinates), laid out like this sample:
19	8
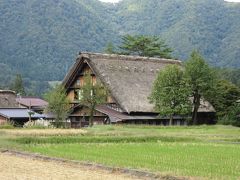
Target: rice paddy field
195	152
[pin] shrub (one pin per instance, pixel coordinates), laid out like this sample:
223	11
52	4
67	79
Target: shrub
38	124
232	118
7	125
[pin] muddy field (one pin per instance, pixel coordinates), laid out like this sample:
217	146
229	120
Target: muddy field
22	168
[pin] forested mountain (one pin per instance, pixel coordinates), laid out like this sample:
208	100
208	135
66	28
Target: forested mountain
41	38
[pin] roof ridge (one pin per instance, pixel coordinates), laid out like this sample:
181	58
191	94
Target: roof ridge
29	97
7	91
90	55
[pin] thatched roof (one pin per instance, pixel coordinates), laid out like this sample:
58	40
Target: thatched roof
8	99
205	106
128	78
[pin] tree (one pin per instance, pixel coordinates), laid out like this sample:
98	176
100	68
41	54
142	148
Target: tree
232	117
58	104
110	49
225	96
18	86
150	46
93	93
232	75
200	78
170	93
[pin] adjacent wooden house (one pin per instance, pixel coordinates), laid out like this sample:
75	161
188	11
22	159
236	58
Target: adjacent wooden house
129	81
18	116
34	103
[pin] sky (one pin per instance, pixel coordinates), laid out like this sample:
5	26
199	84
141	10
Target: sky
232	0
115	1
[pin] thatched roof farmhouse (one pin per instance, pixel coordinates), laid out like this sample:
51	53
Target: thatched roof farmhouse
11	110
8	99
129	79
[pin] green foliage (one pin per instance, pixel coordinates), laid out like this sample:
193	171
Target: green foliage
17	86
35	127
110	49
232	75
232	117
174	159
40	39
6	76
7	125
170	93
105	139
93	93
200	78
58	104
149	46
185	26
224	97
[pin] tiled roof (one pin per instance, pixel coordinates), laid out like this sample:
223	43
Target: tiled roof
116	116
32	101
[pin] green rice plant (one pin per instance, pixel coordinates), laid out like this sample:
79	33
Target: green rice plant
212	161
93	139
211	152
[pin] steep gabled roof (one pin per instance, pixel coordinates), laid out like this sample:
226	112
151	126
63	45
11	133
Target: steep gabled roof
128	78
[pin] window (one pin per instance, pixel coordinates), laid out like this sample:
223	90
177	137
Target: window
78	83
78	94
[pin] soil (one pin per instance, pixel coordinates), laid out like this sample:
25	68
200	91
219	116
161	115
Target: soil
14	167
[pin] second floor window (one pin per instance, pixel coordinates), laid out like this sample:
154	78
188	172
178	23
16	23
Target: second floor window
77	94
78	83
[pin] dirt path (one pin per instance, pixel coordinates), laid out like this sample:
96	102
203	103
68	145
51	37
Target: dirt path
23	168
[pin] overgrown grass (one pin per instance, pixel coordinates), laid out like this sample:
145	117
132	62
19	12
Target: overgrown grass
7	125
17	132
199	151
103	139
202	133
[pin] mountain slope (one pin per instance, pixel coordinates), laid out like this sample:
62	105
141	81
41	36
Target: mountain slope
210	26
40	39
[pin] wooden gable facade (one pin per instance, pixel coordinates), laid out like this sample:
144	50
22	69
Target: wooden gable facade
79	116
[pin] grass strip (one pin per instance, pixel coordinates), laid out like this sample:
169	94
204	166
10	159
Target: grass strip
87	139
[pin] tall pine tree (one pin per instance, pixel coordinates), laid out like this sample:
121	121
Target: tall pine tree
18	86
141	45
